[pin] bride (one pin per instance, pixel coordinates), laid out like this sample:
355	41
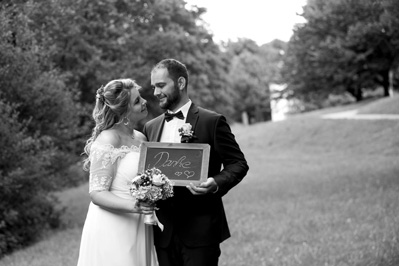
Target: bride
114	232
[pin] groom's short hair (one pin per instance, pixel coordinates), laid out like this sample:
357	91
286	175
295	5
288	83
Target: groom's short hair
175	69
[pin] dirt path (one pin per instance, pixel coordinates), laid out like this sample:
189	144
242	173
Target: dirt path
353	114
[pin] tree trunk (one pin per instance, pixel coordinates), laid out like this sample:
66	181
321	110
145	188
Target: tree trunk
386	82
391	77
356	92
359	94
244	118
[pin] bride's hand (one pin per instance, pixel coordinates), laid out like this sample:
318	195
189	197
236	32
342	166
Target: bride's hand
144	208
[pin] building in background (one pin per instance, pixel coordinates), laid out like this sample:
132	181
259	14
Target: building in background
280	107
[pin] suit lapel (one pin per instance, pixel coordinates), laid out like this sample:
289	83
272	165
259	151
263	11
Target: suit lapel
192	116
156	133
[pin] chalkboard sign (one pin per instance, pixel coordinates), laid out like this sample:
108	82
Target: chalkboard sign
182	163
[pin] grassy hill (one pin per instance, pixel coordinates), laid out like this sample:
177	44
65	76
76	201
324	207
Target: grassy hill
319	192
309	133
383	106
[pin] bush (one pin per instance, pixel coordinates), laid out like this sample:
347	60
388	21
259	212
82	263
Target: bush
39	135
24	208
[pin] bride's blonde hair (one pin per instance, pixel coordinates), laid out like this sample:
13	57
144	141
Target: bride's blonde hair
112	106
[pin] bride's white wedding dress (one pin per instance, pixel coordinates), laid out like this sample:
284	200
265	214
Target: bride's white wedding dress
111	238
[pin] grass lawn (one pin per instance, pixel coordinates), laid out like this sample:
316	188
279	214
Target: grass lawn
318	193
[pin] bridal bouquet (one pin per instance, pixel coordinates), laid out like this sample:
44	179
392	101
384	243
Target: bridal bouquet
150	187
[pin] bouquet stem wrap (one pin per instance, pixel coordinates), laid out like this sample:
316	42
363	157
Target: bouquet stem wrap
152	219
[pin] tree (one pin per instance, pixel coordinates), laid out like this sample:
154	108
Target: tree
252	70
345	45
95	42
37	127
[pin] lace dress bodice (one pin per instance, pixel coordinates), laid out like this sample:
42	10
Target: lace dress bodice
112	169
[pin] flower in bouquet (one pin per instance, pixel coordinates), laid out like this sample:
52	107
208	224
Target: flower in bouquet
150	187
186	132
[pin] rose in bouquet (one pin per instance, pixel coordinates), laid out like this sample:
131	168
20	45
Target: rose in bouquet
150	187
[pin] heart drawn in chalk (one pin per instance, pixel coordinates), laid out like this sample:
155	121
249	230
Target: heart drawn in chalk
189	174
178	173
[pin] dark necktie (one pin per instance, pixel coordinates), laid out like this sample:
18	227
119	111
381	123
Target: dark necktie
169	116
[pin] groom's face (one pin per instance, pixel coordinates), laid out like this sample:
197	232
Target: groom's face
165	89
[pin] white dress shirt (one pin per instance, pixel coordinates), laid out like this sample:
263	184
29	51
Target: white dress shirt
170	131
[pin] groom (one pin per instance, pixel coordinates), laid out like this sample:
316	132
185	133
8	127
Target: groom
194	219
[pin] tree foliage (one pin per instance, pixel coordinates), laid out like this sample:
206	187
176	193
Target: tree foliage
345	45
98	41
37	130
252	70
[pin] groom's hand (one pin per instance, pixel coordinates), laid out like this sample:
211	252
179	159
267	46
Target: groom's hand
209	186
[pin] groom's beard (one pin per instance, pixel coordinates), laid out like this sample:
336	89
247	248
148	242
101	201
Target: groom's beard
171	100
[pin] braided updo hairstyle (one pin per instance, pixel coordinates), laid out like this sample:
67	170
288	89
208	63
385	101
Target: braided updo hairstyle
112	106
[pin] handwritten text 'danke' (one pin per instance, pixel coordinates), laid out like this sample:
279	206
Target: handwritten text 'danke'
164	161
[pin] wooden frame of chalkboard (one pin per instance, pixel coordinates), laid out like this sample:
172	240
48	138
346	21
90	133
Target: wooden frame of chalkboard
182	163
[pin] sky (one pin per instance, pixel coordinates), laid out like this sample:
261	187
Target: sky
258	20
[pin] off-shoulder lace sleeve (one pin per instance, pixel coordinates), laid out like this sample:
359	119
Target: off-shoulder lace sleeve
102	167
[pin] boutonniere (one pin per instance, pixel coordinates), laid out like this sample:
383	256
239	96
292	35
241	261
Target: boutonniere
186	133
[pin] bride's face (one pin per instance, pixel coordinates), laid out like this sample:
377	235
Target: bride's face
138	106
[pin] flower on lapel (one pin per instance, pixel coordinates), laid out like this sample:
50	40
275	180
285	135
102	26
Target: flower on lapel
186	133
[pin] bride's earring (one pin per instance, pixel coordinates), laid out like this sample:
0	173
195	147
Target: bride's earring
127	122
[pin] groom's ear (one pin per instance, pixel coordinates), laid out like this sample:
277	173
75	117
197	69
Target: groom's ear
181	82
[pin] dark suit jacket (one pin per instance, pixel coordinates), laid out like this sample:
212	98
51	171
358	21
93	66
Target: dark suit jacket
201	220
